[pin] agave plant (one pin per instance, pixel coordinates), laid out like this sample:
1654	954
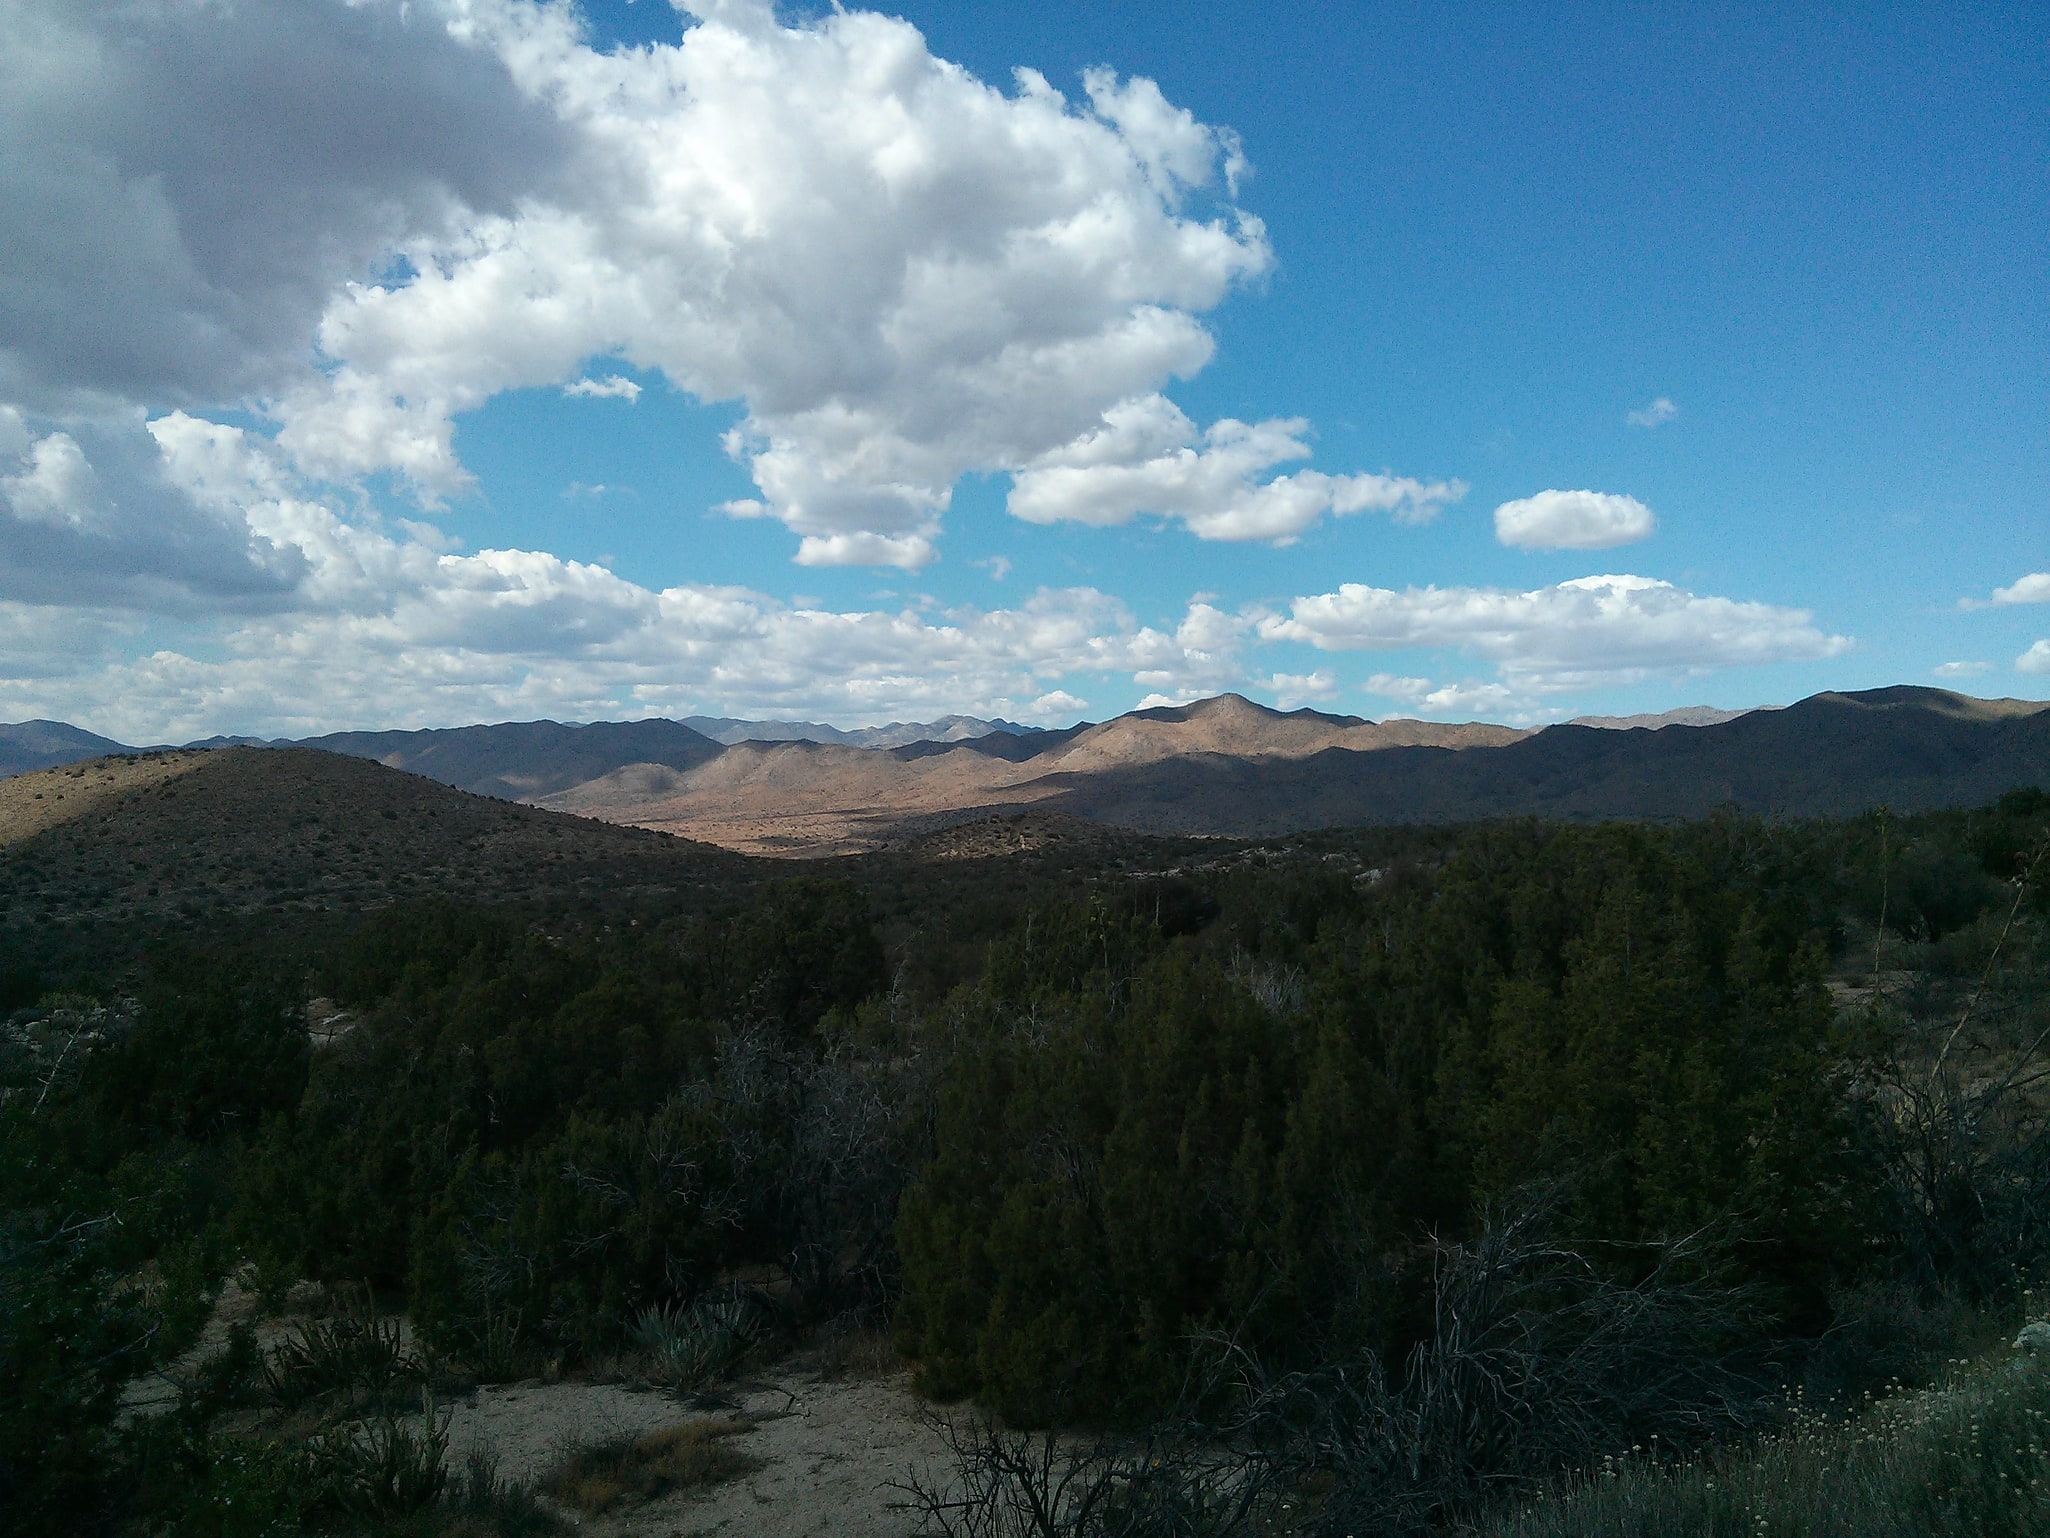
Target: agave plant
386	1466
354	1357
688	1346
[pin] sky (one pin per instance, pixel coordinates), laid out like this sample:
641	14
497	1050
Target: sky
410	363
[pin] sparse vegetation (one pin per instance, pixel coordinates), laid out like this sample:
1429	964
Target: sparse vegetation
594	1480
1968	1457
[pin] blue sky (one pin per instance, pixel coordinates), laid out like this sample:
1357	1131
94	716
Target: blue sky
1042	408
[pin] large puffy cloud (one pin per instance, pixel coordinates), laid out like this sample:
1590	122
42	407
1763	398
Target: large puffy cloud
902	273
2035	660
368	218
1148	457
369	625
1590	631
1573	520
186	185
97	517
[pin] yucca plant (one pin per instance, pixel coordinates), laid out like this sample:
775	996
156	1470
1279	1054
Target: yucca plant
353	1357
386	1466
686	1347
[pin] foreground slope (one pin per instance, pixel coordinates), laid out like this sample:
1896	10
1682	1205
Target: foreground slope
276	835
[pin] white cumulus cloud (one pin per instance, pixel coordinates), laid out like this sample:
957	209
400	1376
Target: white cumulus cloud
2034	588
1961	669
2035	660
901	272
1148	457
1658	413
360	624
186	186
1469	697
611	387
1592	630
1293	689
1573	520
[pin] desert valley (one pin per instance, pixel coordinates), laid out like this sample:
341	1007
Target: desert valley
740	1053
1159	770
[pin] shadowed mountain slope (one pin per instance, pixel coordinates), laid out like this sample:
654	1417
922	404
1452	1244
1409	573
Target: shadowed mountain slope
1832	754
522	760
26	746
1217	766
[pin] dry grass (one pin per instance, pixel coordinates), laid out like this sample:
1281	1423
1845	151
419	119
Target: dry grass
691	1456
859	1355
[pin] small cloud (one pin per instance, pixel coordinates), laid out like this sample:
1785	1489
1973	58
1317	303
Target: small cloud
1465	697
1389	686
1293	689
611	387
427	534
998	567
2034	588
1658	412
1055	704
1573	520
1962	669
906	551
1147	457
2035	660
577	491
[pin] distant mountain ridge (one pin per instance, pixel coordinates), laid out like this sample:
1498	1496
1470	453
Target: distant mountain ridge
26	746
1686	715
1225	765
897	734
524	760
1833	754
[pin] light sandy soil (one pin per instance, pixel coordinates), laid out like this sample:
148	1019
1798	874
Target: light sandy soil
829	1448
30	803
829	1443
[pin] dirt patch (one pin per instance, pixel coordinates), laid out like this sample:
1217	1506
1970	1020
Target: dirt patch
827	1451
822	1451
806	1446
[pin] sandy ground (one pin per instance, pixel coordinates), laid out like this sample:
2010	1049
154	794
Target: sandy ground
828	1447
829	1443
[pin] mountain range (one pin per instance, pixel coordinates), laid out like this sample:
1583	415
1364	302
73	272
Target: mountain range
1218	766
